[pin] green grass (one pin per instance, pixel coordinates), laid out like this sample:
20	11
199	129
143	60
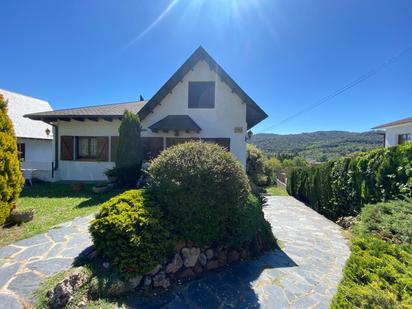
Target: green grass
276	191
53	203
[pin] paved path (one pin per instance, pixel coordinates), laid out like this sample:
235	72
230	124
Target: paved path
26	263
304	274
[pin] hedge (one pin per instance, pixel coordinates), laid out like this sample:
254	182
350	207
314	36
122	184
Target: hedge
343	186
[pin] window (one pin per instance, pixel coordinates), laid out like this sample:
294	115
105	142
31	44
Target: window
21	148
92	148
403	138
152	147
224	142
201	94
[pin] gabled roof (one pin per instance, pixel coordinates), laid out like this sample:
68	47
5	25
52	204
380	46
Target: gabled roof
254	114
175	123
108	112
394	123
18	105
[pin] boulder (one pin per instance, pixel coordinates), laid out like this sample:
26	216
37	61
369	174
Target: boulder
161	281
202	259
175	264
209	254
222	258
186	273
180	245
147	281
190	256
135	281
233	256
63	292
198	269
213	264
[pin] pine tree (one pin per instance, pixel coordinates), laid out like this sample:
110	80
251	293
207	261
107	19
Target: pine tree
11	179
129	152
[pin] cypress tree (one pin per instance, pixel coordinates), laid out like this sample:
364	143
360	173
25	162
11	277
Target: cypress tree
129	152
11	179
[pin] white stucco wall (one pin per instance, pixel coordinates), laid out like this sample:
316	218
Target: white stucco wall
391	133
220	122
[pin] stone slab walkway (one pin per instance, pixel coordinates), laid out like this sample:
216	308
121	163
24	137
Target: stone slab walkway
24	264
303	274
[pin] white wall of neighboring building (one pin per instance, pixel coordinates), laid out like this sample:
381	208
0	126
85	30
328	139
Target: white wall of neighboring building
391	133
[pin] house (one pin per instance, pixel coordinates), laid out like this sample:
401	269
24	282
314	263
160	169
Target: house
199	102
397	132
34	138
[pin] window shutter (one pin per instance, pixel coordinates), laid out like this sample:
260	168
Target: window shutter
66	147
102	148
113	150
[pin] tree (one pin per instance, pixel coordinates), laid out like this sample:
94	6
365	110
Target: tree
11	179
129	151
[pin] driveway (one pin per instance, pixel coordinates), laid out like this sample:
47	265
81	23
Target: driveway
304	273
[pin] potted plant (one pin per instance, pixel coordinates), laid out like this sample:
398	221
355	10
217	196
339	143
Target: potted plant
111	174
21	216
101	188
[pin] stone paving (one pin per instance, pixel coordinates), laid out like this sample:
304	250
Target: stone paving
303	274
24	264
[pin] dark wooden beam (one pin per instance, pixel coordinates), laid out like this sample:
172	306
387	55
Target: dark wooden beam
108	119
78	119
63	119
92	119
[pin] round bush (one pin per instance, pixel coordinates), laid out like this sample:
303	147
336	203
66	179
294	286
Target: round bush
202	190
130	232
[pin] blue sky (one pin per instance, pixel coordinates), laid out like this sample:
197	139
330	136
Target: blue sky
287	55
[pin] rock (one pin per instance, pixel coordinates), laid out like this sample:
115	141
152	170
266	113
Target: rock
134	282
213	264
155	270
198	269
147	281
81	304
106	265
347	222
185	273
175	264
244	254
233	256
180	245
190	256
160	280
209	254
63	292
222	258
189	244
202	259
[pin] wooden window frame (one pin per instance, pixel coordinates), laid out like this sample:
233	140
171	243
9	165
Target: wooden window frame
88	157
192	96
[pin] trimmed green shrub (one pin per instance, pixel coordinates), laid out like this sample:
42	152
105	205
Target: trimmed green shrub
205	194
130	231
377	275
130	151
390	221
261	169
11	179
343	186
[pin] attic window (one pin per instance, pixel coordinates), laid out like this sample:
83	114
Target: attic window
201	94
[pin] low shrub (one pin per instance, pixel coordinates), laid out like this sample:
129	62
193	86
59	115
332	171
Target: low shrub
130	232
343	186
261	169
390	221
377	275
204	192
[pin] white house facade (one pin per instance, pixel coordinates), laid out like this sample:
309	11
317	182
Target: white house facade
34	138
199	102
397	132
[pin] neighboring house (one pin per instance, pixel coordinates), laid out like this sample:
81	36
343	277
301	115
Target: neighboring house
397	132
34	138
199	102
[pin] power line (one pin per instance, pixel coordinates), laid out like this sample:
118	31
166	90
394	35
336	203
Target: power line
345	88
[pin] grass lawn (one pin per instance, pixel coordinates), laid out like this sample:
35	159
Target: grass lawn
53	203
276	191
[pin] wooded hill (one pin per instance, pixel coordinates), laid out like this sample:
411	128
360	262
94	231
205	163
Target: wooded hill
319	146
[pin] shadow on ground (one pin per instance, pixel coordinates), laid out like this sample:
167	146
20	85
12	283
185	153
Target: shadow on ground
240	285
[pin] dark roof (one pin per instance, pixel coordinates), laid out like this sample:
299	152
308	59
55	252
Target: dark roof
254	114
394	123
175	123
108	111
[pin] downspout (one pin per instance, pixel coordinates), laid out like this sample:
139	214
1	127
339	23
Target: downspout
55	164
